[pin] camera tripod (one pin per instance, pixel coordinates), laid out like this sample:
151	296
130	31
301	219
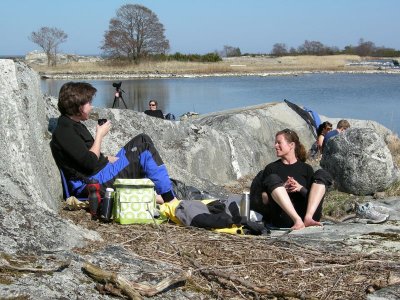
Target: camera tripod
118	97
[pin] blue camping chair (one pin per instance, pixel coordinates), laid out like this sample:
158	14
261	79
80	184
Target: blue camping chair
66	190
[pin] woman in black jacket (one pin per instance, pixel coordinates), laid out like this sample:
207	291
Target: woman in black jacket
288	193
79	155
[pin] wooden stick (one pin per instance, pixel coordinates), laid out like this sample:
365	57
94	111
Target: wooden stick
133	290
107	276
4	264
339	277
287	272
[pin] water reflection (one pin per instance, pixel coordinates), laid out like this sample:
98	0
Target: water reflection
136	93
354	96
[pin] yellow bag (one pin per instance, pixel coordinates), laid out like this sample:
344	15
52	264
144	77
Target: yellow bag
167	211
134	201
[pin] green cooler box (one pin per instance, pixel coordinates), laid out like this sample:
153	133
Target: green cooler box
134	201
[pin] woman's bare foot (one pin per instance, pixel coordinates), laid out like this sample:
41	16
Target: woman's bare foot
298	225
310	222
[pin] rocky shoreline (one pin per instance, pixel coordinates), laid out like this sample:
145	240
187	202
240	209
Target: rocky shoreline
157	75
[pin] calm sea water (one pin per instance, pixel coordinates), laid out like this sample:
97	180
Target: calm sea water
356	96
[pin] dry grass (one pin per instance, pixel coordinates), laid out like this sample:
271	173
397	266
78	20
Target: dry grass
394	148
251	267
243	65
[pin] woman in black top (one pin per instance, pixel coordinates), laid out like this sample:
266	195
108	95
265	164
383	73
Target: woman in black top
153	111
287	192
79	155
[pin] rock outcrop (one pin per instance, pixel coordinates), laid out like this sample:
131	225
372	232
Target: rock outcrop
30	196
40	58
359	161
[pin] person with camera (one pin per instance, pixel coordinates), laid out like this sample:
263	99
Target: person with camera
153	110
79	155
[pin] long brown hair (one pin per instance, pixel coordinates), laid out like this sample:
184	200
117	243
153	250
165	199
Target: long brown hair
292	137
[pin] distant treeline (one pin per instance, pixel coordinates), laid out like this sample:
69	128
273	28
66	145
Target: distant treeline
364	48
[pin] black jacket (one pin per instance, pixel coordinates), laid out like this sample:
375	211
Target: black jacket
70	146
154	113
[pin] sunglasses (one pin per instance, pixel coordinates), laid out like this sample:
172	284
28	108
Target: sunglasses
152	105
287	131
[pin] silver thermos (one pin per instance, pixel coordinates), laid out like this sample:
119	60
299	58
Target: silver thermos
245	206
107	205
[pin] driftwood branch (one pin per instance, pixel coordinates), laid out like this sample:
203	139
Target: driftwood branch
5	265
131	289
248	285
314	268
232	278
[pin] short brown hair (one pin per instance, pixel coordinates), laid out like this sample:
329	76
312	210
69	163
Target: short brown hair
343	124
74	94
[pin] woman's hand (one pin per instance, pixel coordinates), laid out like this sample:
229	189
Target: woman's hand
102	130
292	185
112	159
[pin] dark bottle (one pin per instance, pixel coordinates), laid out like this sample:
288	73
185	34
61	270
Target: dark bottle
106	205
94	196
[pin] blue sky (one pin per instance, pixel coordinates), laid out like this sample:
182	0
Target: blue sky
206	25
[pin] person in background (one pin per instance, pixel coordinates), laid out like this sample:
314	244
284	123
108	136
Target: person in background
79	155
153	110
288	193
323	129
341	126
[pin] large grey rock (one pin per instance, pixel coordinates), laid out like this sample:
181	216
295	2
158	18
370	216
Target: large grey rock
29	182
359	161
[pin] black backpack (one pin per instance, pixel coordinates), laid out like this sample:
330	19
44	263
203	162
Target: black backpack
170	116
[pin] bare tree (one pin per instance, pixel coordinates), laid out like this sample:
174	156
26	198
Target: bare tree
365	48
230	51
315	48
49	38
279	49
311	47
134	33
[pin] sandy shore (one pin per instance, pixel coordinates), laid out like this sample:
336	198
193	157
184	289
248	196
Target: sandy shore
238	66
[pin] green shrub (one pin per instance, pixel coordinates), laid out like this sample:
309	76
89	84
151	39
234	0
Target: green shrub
211	57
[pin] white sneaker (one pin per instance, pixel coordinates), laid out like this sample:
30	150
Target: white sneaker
382	209
367	211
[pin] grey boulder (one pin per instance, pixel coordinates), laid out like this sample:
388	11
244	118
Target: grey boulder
359	161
